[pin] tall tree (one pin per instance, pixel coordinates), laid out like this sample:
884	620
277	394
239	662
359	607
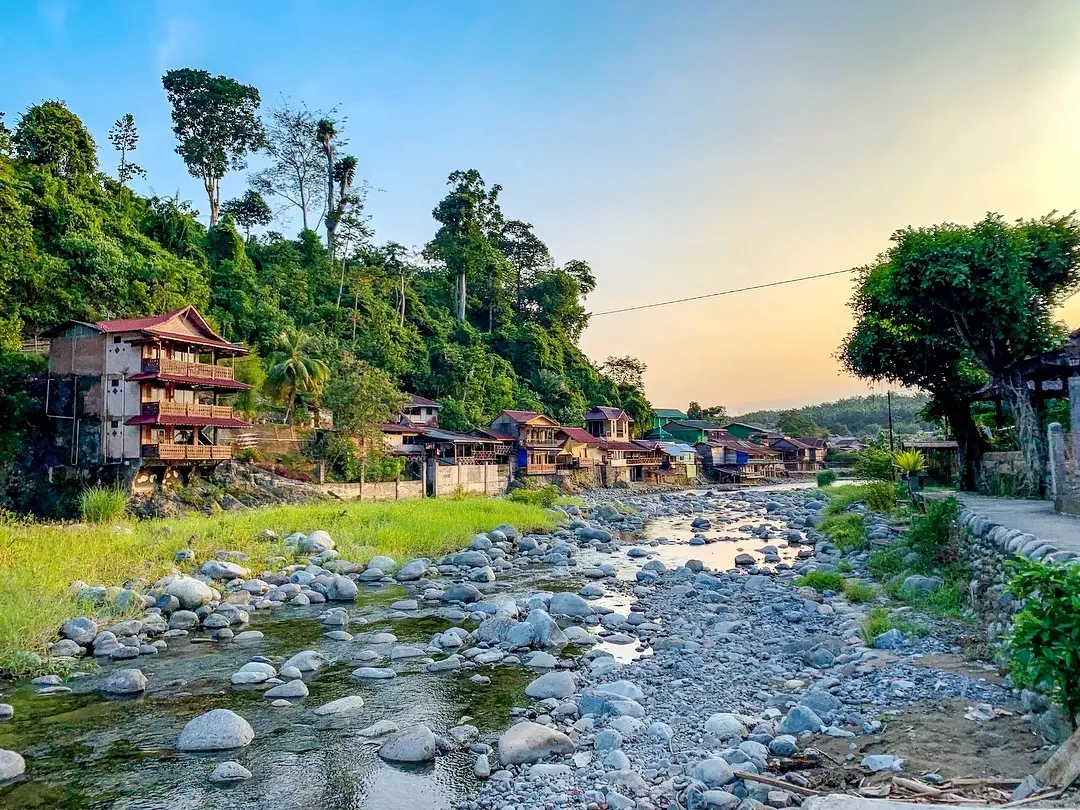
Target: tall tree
216	121
693	411
361	397
294	369
249	211
628	371
296	171
798	425
527	255
51	135
991	288
125	139
468	215
326	134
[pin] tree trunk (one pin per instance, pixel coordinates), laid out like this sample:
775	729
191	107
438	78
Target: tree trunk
970	443
341	284
461	291
330	223
1028	433
401	304
211	187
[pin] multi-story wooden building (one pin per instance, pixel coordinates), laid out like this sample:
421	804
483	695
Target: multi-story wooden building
534	435
143	392
606	422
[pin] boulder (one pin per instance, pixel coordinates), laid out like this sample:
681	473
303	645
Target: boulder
189	592
558	684
81	630
342	589
800	719
307	661
412	570
569	604
921	585
529	742
714	772
316	543
345	705
216	730
11	765
290	689
230	771
123	682
219	569
413	744
724	725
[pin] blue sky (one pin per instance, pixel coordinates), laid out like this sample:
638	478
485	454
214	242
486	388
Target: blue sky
679	147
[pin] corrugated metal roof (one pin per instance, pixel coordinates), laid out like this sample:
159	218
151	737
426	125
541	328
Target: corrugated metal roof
196	382
607	412
418	401
580	435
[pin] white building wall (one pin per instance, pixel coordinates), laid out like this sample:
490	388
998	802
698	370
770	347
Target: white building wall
120	441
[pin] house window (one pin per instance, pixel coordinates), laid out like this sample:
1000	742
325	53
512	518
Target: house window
116	339
115	424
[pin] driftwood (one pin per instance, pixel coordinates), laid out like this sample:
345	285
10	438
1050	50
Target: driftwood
779	783
1063	767
1037	797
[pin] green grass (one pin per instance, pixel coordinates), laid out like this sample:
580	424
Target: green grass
887	562
41	560
879	621
103	504
847	531
821	581
878	497
857	593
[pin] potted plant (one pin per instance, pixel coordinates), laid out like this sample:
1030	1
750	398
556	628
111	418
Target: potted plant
910	463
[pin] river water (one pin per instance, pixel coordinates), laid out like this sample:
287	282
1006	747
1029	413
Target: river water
85	751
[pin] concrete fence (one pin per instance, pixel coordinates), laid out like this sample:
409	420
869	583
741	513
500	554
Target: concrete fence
486	479
367	491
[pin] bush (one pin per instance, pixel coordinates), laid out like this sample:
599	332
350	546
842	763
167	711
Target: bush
878	497
1046	632
546	497
826	477
821	581
887	562
847	531
929	533
248	454
857	593
874	465
103	504
877	622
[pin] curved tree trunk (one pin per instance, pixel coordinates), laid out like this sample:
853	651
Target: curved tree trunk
1028	433
970	442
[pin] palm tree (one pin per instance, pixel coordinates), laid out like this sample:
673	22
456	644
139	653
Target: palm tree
293	369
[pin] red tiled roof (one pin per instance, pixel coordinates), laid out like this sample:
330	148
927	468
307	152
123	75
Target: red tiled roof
198	382
136	324
186	421
580	435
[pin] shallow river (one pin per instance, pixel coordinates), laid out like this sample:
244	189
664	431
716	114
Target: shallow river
84	751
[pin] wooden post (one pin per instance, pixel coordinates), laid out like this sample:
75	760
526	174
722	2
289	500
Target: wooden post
1074	423
1056	442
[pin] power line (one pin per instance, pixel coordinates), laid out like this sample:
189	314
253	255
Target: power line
722	292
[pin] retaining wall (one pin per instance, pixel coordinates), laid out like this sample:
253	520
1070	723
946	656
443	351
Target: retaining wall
384	491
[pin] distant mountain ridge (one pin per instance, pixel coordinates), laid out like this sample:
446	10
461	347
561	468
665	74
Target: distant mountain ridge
861	416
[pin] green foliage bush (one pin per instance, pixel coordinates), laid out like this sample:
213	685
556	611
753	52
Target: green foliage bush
821	581
877	622
847	531
826	477
929	533
887	562
103	504
874	465
546	496
1044	648
858	593
878	497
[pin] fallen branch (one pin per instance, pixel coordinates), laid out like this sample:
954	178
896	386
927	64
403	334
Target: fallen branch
1035	797
780	783
915	786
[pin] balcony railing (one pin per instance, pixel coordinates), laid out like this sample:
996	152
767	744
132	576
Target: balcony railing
187	409
540	469
166	451
183	368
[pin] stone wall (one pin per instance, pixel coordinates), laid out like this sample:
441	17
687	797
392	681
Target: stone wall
384	491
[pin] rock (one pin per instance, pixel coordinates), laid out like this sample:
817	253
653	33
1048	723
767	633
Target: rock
414	744
920	585
123	682
81	630
380	729
784	746
230	771
218	569
342	589
724	725
290	689
374	673
889	640
189	592
558	684
568	604
345	705
462	592
800	719
216	730
607	740
382	562
482	768
412	570
713	772
720	800
529	742
744	560
66	648
11	765
316	543
307	661
7	711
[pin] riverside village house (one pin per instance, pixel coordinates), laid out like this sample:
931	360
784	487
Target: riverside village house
141	399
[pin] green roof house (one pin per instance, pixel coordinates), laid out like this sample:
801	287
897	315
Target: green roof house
741	430
692	431
661	416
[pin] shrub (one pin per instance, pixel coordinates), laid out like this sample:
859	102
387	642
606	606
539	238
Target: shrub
886	562
874	465
909	461
821	581
847	531
877	622
248	454
1046	632
546	496
857	593
880	497
103	504
929	533
826	477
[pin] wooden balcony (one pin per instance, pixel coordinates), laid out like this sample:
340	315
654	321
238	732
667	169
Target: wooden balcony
187	409
644	461
540	469
166	451
183	368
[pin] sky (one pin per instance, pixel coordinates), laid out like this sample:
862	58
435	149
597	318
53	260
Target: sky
680	148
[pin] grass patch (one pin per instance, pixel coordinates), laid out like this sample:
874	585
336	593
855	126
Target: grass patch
41	560
545	497
858	593
879	621
847	531
103	504
844	567
821	581
878	497
887	562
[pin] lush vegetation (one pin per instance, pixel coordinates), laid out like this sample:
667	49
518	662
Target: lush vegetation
866	417
847	531
878	497
950	307
40	561
546	496
821	581
482	318
1044	649
103	504
826	477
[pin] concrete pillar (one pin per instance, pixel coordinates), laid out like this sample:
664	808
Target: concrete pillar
1056	444
1074	422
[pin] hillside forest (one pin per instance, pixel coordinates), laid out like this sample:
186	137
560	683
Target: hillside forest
482	317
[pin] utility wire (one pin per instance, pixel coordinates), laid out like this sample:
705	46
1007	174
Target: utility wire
722	292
